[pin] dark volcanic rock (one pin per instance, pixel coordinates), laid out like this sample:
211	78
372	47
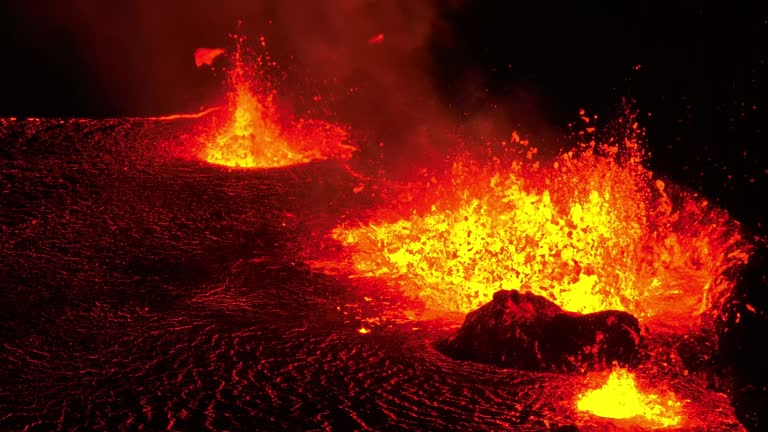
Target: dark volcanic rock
527	331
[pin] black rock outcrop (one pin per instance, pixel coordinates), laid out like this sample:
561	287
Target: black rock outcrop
527	331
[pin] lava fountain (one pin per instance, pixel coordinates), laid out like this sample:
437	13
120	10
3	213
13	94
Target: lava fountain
257	134
591	230
620	398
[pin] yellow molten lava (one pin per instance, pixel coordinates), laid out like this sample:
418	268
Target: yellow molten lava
620	398
594	230
253	140
257	137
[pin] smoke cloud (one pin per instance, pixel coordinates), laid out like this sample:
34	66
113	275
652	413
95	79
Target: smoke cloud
379	51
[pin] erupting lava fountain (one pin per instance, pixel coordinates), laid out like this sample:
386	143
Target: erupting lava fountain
257	134
591	230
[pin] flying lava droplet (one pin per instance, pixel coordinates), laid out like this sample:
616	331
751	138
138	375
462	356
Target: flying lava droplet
206	56
375	40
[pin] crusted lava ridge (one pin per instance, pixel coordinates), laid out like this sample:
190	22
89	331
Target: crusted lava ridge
526	331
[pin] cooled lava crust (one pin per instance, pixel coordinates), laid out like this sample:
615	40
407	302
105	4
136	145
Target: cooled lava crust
526	331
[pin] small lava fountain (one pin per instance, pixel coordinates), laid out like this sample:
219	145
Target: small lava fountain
621	399
257	134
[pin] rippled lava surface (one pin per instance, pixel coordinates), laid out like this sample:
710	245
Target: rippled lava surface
141	290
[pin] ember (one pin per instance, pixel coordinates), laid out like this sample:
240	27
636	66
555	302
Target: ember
378	39
593	230
620	398
257	136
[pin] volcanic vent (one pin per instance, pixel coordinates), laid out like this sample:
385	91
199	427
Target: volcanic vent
590	232
256	132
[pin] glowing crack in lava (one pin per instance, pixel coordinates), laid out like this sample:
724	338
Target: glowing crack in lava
257	134
620	398
590	230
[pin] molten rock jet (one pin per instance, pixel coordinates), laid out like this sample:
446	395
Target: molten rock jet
257	134
527	331
591	230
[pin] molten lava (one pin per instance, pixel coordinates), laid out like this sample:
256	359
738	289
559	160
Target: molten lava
620	398
257	134
591	230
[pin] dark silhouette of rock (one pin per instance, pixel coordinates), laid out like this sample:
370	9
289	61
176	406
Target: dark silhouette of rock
527	331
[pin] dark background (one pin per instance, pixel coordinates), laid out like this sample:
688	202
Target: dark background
696	72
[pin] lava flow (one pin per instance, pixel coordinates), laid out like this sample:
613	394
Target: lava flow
257	134
591	230
620	398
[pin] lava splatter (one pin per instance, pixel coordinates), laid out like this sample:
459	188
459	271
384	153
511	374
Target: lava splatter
591	230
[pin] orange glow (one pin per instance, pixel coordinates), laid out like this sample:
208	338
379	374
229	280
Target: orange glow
363	330
591	230
206	56
257	135
620	398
